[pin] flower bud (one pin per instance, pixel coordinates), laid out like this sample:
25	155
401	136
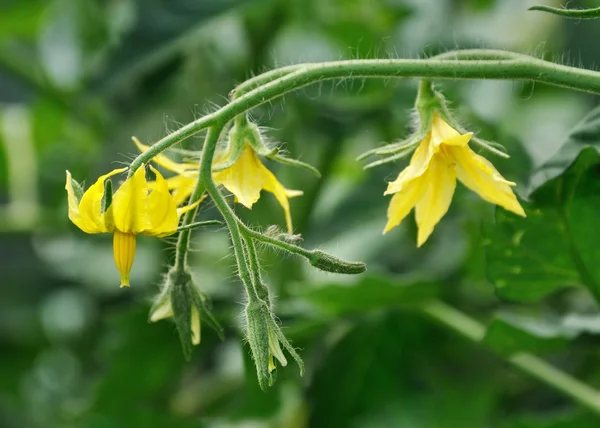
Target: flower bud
329	263
265	339
182	300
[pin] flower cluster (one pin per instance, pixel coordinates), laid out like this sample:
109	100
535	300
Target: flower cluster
441	155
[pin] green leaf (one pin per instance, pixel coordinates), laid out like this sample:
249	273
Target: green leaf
570	419
586	134
526	258
150	47
529	258
371	292
508	333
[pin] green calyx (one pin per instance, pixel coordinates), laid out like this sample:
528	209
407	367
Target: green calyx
428	102
245	132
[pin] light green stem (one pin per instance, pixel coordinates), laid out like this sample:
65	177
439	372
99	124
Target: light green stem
183	240
463	54
528	363
523	68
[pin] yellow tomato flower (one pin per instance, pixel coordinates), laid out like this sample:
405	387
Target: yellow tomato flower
248	176
429	181
245	179
134	210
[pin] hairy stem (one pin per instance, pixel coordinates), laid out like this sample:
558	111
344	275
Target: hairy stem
229	216
464	54
183	240
523	68
527	363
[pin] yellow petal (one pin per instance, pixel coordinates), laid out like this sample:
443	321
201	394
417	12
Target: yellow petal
162	210
479	175
442	133
440	130
245	179
124	253
130	204
165	162
163	311
195	326
404	201
91	218
419	163
182	187
436	200
282	194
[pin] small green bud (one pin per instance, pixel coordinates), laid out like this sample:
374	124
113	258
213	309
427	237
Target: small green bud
265	339
329	263
181	299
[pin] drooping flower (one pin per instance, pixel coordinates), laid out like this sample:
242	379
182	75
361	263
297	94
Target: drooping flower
134	209
245	178
428	183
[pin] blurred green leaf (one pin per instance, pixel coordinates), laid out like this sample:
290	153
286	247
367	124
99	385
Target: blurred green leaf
586	134
147	48
371	292
507	334
571	419
20	18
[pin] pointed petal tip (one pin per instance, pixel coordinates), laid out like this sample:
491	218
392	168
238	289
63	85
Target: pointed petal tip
124	285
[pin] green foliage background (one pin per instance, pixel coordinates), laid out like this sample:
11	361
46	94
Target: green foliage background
79	77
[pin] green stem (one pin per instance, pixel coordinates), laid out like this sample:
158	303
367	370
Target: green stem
294	249
570	13
528	363
259	286
525	68
208	152
463	54
183	240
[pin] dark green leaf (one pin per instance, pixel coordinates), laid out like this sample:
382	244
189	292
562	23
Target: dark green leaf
529	258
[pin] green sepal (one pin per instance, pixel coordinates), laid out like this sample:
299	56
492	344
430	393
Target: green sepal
200	224
294	162
235	145
395	148
389	159
109	220
77	189
108	194
181	303
203	306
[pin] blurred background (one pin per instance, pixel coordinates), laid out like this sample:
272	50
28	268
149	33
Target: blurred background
78	78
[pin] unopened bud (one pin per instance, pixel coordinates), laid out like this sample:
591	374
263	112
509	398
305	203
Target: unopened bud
329	263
